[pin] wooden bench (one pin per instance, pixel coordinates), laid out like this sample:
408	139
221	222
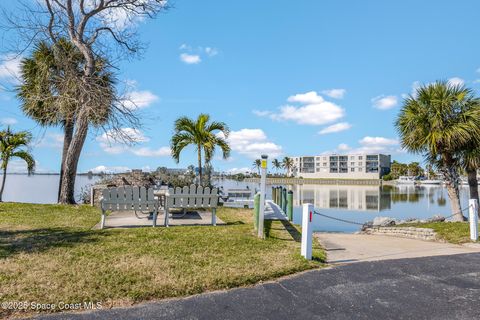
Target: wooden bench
129	198
192	197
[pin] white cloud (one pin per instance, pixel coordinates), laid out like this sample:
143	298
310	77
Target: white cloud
105	169
8	121
456	81
313	110
121	19
343	147
10	67
238	170
310	97
312	114
191	55
384	102
253	143
190	58
140	99
148	152
335	93
51	140
261	113
111	136
110	142
377	145
337	127
211	52
478	70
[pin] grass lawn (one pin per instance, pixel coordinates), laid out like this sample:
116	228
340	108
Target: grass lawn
454	232
49	253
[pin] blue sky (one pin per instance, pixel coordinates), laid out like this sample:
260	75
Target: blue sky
288	78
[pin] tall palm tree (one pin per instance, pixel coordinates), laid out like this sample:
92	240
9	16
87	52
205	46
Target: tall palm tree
11	144
287	164
276	164
202	134
49	88
257	163
435	123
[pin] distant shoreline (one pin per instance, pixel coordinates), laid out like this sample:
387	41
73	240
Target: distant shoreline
50	174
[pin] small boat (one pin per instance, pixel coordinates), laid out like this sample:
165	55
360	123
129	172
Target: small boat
406	180
431	181
238	198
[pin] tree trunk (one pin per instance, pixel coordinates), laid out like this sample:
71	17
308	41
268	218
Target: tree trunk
199	164
71	160
68	127
473	185
452	181
3	182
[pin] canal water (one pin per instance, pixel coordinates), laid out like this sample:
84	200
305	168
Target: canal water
356	203
361	203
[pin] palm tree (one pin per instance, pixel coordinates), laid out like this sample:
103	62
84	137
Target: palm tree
11	144
257	163
287	164
49	88
441	119
204	135
276	164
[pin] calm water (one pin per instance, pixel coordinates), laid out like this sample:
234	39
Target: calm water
40	188
357	203
363	203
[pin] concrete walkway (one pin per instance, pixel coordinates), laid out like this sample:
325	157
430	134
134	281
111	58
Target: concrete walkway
273	211
347	248
446	287
128	219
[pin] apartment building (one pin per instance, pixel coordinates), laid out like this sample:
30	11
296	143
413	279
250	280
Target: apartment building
348	166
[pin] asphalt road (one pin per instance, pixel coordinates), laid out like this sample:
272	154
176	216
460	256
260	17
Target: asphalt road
441	287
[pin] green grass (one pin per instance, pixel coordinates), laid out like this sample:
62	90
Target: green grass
49	253
454	232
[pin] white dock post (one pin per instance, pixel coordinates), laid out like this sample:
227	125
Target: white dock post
261	214
473	218
307	215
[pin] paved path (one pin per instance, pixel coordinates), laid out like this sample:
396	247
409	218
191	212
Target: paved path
273	211
441	287
128	219
346	248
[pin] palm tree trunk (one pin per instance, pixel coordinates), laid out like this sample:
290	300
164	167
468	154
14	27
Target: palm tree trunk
68	126
452	181
199	164
473	185
3	182
71	161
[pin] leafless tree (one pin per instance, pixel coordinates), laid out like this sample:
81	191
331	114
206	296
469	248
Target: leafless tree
100	29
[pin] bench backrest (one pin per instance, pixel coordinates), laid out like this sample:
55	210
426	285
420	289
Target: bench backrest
192	197
129	198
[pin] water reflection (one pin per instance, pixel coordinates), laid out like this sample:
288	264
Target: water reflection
367	198
359	198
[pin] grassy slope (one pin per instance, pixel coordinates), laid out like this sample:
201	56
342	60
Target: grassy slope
49	253
454	232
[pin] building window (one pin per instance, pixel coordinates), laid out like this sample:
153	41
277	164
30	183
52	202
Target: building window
352	169
324	158
352	164
360	164
324	164
360	157
352	157
360	169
